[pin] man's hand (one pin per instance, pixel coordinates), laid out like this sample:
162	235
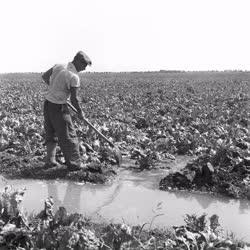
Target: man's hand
75	102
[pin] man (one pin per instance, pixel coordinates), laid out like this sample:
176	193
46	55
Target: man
63	84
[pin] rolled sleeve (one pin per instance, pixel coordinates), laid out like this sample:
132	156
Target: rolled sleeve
75	81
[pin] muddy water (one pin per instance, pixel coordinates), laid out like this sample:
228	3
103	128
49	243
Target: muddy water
135	199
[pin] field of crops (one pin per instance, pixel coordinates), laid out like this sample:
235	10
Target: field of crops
151	116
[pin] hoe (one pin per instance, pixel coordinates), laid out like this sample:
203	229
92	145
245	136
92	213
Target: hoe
116	151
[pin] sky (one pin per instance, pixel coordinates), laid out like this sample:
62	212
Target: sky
125	35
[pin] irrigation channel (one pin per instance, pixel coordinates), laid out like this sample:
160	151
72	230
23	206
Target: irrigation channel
134	198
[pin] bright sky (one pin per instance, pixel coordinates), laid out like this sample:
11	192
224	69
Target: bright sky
125	35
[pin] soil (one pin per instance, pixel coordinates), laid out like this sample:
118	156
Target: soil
217	174
33	168
220	173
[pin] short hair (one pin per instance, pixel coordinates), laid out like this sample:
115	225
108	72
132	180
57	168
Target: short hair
82	57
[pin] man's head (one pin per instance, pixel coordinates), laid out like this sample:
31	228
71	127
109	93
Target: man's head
81	61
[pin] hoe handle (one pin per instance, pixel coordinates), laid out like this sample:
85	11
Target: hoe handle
92	126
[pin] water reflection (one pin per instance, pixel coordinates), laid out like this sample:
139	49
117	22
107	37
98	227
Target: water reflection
205	200
72	197
132	195
110	199
151	181
53	192
73	200
244	206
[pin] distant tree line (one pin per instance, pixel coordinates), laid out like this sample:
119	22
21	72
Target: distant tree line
171	71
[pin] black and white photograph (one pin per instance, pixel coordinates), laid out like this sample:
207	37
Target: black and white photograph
125	125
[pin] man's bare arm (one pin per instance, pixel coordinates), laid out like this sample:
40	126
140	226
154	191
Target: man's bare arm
75	101
46	75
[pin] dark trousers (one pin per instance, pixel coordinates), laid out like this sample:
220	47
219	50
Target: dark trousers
59	128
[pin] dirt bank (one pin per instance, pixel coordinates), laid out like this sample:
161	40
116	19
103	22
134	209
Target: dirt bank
24	167
226	172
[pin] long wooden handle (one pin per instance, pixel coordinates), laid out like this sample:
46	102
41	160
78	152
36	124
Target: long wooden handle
91	125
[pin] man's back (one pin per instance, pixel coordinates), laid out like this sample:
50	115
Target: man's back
63	77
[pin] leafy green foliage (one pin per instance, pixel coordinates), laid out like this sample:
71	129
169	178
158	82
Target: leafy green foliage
195	113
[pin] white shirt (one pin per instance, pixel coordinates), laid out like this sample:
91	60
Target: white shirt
63	77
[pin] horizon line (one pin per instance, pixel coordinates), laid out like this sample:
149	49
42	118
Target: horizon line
140	71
